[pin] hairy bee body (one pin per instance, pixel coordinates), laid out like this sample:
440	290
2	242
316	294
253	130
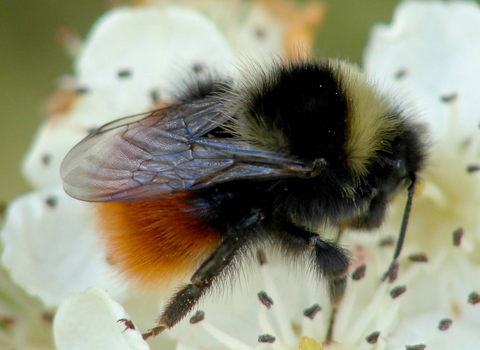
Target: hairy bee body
262	162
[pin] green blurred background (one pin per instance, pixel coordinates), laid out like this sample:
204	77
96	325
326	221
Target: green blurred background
31	60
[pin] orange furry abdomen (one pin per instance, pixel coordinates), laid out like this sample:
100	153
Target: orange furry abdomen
156	242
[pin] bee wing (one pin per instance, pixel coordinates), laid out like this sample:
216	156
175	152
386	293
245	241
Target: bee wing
153	155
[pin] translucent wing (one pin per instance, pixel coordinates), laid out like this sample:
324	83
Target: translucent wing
154	155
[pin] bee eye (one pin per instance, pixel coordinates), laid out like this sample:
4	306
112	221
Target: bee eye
402	171
398	169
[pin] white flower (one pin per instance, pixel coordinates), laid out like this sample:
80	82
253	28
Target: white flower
429	53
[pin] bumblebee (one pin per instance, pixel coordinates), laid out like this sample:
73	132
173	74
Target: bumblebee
193	188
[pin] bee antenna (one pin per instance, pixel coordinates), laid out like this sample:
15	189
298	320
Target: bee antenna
391	272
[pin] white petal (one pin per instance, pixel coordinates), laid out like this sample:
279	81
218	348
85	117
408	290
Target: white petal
157	46
181	346
229	312
50	145
89	320
444	287
253	30
437	47
51	248
56	137
260	36
423	329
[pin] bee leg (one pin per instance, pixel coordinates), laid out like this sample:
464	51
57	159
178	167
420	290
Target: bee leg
332	262
329	261
337	288
186	298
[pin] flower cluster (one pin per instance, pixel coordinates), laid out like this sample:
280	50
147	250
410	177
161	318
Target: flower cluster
135	59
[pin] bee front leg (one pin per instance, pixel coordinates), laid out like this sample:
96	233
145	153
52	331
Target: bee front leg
186	298
392	270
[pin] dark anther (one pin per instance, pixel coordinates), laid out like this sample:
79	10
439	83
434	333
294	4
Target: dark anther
387	241
359	273
82	90
265	299
197	68
155	96
124	73
400	73
449	97
266	338
392	273
474	298
312	311
420	257
473	168
457	236
445	324
372	338
198	317
46	159
415	347
397	291
51	201
260	32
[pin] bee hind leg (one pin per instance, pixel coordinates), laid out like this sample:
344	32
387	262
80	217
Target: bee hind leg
330	262
186	298
337	288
